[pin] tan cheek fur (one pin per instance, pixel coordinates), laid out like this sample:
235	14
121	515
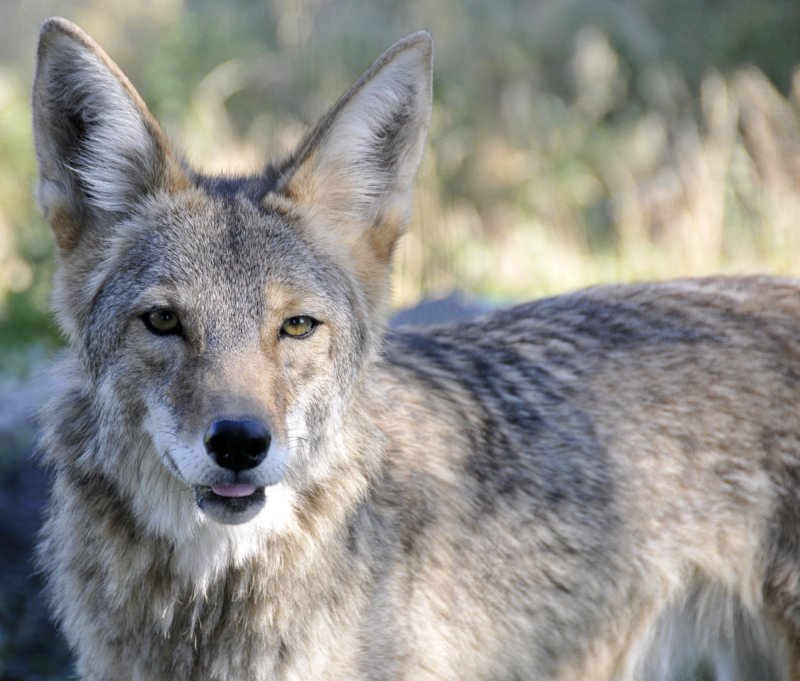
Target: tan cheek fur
65	229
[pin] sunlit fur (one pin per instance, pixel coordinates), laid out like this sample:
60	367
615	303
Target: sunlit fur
602	486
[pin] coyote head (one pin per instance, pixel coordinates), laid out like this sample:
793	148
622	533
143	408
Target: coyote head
221	325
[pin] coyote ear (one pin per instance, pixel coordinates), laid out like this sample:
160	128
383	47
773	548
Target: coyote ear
355	170
98	147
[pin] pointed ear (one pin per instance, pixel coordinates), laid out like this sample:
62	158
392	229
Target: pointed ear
98	147
354	171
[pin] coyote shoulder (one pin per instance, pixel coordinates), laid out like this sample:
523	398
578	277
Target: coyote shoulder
253	481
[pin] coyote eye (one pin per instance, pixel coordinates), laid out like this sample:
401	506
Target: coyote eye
298	327
162	322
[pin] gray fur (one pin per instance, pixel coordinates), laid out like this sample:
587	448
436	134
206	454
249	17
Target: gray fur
598	486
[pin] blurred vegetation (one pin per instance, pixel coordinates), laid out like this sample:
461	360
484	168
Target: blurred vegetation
573	141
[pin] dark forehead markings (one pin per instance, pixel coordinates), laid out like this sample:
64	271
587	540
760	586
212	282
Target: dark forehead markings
235	197
252	187
231	191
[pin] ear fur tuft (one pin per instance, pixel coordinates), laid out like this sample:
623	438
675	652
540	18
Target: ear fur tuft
353	173
98	147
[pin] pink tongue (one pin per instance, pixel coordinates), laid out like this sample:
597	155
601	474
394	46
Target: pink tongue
233	490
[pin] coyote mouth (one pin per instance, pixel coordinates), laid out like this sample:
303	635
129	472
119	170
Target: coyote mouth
230	504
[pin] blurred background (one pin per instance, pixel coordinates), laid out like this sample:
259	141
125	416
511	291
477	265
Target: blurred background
573	142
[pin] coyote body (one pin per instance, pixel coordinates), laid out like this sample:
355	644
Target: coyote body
253	481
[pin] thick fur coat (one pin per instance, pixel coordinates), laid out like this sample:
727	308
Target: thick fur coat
604	485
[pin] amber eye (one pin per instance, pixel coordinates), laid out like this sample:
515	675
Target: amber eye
162	322
297	327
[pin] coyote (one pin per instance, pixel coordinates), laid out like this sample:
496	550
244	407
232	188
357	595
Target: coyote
254	480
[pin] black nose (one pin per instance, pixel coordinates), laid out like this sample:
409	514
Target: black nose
237	444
